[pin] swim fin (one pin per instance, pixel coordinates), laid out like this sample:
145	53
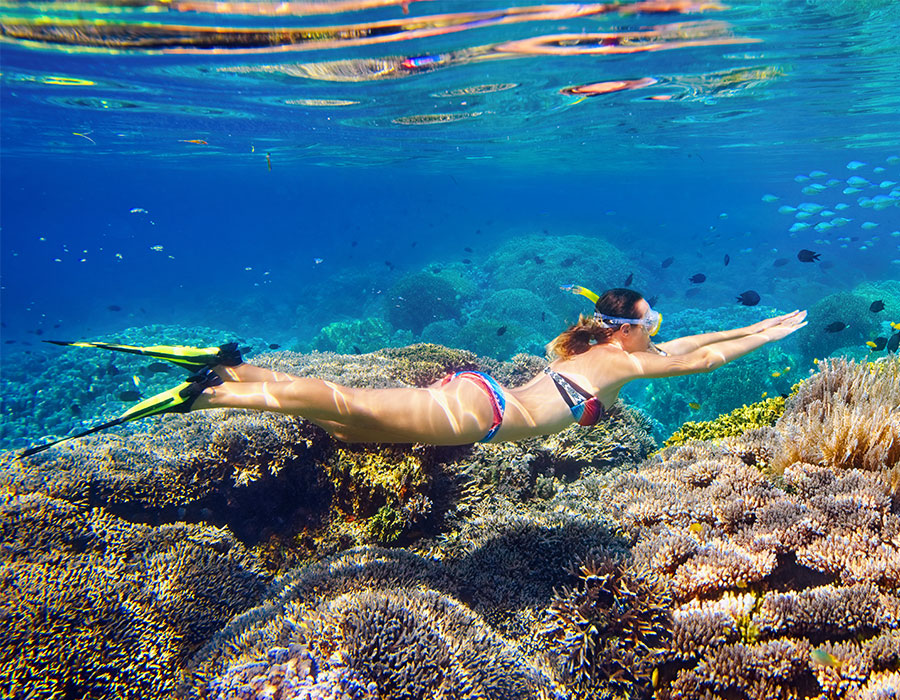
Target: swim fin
179	399
191	359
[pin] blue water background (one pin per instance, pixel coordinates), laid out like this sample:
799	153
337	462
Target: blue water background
354	197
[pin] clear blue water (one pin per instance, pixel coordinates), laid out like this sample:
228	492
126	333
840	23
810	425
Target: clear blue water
285	187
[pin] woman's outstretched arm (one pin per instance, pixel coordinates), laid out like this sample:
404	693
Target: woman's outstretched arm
689	343
708	357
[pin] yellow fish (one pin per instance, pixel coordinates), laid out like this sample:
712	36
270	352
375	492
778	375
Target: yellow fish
136	379
822	657
764	394
787	369
816	360
696	528
776	374
693	405
871	344
895	326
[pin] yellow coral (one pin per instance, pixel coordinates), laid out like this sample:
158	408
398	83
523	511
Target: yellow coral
756	415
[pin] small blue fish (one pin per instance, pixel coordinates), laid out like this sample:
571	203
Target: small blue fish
855	165
840	206
813	189
786	209
799	226
318	261
816	174
868	225
801	178
857	181
769	198
810	207
851	190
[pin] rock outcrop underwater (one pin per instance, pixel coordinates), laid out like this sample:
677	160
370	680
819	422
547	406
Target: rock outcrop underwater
229	554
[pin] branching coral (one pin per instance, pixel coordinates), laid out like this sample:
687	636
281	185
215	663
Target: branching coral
610	628
370	621
86	593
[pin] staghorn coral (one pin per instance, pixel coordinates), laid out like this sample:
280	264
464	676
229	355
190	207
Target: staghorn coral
611	628
376	623
86	593
847	416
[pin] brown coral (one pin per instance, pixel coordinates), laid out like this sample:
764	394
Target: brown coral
847	416
86	593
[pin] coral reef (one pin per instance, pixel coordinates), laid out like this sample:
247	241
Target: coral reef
611	629
421	298
98	607
847	415
848	308
358	336
757	415
373	623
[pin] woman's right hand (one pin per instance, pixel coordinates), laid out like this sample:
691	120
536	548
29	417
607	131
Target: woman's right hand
783	326
775	321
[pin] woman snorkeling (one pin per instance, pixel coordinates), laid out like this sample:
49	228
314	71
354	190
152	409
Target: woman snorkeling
595	358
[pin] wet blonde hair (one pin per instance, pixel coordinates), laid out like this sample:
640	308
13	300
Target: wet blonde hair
589	331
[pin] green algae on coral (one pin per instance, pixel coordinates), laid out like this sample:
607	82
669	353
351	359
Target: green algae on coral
385	526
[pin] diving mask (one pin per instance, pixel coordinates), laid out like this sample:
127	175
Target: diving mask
651	320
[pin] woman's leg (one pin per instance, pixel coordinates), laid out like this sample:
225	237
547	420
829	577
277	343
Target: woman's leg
457	413
250	373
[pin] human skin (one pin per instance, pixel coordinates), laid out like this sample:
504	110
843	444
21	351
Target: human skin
459	412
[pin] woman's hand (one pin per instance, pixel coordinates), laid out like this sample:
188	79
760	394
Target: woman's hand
783	326
776	321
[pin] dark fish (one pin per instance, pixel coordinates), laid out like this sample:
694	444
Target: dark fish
39	332
129	395
353	244
652	300
667	262
807	256
538	259
699	278
159	367
435	269
835	327
274	346
628	280
876	306
880	342
467	261
8	342
467	249
894	343
357	350
543	315
389	264
501	330
113	307
56	325
727	260
568	261
748	298
780	262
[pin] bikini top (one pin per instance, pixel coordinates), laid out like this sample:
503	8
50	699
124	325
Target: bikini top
585	407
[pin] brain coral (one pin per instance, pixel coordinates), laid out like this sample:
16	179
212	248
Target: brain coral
101	608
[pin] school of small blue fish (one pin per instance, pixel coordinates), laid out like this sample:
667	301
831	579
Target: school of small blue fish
862	203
